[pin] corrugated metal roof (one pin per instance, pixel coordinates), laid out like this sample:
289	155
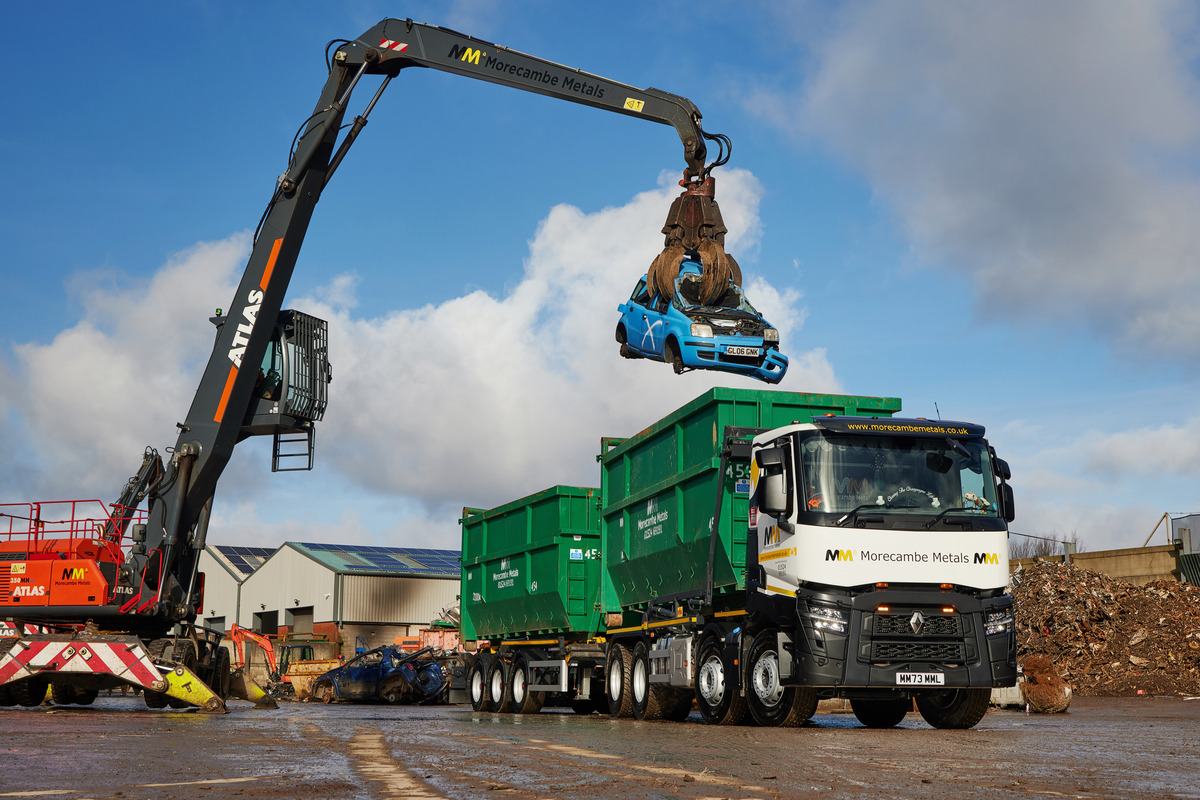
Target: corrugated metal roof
349	559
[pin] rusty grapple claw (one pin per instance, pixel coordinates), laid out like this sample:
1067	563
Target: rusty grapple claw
694	227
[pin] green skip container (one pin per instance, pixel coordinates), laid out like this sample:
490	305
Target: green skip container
659	491
532	567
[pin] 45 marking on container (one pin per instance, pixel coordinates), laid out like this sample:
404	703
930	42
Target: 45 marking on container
579	554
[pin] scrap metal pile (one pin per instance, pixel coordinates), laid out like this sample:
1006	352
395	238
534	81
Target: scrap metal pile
1107	637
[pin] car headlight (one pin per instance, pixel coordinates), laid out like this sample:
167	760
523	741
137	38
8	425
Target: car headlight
771	335
825	618
700	329
998	622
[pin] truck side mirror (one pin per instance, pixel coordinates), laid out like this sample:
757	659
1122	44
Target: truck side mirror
1007	505
1003	470
772	486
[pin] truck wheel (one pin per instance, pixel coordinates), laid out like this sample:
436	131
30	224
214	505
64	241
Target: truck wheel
6	698
880	712
520	678
954	708
30	692
61	694
717	696
617	681
679	705
649	700
772	704
85	697
222	679
498	688
154	699
477	686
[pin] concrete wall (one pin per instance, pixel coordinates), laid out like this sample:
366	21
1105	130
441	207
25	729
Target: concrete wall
1138	565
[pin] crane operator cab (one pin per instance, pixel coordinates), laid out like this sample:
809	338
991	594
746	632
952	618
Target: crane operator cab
291	391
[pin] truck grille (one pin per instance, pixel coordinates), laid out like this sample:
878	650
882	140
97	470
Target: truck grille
950	652
898	625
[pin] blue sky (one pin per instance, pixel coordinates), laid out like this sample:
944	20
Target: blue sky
989	210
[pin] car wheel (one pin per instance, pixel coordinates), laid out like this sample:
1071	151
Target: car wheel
322	692
622	337
393	690
672	356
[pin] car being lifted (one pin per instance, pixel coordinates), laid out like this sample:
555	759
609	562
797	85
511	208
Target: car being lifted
728	334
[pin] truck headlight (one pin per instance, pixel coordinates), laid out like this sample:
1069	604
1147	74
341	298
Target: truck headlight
826	618
702	330
998	622
771	335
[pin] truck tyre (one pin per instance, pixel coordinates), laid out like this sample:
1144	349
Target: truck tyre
85	697
717	694
154	699
679	705
498	691
477	687
222	677
954	708
519	680
617	672
6	698
30	692
880	712
772	704
61	694
649	699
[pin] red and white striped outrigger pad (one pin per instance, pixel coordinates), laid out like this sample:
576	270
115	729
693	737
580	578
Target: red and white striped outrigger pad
123	657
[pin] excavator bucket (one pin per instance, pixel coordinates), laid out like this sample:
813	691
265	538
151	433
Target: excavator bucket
185	685
243	687
694	226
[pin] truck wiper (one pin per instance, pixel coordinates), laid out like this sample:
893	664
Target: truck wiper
853	513
935	520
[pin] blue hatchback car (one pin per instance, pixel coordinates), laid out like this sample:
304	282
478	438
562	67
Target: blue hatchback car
730	335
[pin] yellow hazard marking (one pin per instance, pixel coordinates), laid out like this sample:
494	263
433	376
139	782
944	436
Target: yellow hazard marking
779	590
731	613
633	104
774	554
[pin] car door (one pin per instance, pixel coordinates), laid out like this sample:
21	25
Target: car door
642	324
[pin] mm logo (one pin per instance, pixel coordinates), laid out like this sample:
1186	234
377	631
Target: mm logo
839	555
468	54
74	574
771	535
987	558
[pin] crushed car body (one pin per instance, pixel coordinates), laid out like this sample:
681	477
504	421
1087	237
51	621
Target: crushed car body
727	334
386	675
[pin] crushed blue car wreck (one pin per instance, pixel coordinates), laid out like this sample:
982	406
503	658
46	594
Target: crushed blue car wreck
386	675
727	335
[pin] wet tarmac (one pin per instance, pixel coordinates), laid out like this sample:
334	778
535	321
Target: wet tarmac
1111	748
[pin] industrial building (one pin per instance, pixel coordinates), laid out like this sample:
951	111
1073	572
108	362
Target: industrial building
328	592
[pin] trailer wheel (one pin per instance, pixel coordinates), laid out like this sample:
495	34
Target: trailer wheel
617	672
477	685
772	704
954	708
880	712
498	688
717	695
519	681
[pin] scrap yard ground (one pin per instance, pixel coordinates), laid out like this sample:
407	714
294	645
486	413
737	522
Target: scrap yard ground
1104	747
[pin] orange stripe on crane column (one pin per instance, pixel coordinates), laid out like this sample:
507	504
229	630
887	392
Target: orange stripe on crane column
266	278
225	394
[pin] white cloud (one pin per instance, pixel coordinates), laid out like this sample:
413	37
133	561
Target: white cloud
473	401
1047	150
1171	449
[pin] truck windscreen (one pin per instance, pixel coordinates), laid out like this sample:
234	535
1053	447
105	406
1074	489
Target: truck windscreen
842	473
